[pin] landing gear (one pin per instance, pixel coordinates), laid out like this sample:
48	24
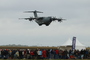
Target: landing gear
40	24
47	24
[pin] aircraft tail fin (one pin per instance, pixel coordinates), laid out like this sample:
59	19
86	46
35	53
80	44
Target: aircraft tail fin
35	13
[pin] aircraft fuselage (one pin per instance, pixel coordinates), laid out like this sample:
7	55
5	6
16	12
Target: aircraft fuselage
43	20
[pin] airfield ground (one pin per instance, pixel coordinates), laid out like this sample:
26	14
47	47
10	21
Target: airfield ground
35	47
10	47
44	59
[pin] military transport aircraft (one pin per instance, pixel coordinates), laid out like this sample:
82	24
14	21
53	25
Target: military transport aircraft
41	20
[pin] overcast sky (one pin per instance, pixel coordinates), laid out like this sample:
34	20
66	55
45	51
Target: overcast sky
24	32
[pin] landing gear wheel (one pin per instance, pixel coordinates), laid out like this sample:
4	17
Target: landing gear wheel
47	24
40	24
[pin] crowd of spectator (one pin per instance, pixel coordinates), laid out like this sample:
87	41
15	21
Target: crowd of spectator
43	54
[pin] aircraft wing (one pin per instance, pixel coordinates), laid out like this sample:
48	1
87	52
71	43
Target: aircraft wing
58	19
30	19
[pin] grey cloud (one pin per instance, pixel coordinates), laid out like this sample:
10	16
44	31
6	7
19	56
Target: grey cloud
75	12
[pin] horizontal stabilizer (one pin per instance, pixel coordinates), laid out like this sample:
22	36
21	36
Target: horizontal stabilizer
33	11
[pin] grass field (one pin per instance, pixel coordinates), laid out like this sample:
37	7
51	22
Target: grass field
44	59
10	47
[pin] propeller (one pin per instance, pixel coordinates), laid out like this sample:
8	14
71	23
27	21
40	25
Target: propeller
60	19
31	18
54	18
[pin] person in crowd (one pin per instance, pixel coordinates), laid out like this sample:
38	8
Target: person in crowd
32	54
82	54
35	53
43	54
56	54
52	53
39	52
64	54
